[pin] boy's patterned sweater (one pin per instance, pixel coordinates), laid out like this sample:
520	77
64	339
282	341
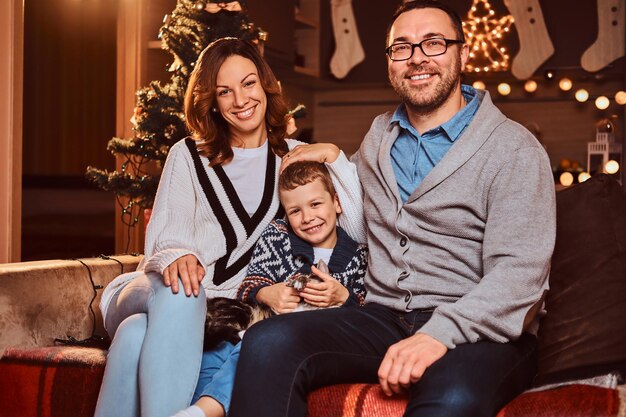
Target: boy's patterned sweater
280	254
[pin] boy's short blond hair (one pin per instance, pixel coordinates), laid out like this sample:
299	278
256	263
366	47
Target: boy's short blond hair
304	172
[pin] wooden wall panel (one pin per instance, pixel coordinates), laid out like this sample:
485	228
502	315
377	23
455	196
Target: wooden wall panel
566	126
69	85
344	117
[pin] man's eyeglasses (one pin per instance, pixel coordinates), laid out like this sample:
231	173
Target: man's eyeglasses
430	47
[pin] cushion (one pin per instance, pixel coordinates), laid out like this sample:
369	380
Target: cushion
41	301
584	331
368	400
58	381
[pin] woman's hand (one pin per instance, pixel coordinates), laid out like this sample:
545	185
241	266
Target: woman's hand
327	293
279	297
190	271
318	152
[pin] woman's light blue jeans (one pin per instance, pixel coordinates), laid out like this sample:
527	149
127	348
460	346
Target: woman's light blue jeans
217	374
155	355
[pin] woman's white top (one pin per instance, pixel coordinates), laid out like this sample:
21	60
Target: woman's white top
246	171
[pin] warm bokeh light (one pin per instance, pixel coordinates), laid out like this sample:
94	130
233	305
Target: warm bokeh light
583	176
611	167
582	95
479	85
484	34
504	89
566	179
565	84
602	103
620	97
530	86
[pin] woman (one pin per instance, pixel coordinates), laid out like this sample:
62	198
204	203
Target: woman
216	195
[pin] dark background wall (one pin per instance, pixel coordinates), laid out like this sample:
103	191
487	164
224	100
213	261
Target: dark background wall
572	26
69	98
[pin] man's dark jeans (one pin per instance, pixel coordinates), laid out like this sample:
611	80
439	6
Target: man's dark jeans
287	356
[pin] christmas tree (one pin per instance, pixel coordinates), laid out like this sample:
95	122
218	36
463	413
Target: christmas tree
158	122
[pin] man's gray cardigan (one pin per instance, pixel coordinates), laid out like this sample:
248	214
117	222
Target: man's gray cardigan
474	240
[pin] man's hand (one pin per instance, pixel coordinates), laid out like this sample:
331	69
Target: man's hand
329	292
318	152
279	297
189	270
405	362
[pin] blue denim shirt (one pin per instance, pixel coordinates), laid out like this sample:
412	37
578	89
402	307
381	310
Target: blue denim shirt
413	155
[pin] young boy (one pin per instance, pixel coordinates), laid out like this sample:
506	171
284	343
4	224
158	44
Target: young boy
307	194
284	250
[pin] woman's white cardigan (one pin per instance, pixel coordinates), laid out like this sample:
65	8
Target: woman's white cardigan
196	211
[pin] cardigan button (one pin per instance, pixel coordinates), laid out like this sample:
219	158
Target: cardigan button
403	241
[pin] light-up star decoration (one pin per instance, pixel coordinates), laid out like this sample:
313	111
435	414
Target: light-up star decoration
484	35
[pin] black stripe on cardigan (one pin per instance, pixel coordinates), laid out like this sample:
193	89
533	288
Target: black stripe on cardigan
218	210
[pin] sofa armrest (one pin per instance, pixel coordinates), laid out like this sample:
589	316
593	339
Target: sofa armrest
44	300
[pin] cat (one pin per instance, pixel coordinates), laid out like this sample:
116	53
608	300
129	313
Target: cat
299	282
227	318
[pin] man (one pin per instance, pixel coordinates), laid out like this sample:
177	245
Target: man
459	204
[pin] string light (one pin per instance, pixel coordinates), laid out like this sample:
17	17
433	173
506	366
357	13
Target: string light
582	95
611	167
504	89
602	102
565	84
479	85
620	98
530	86
483	34
583	176
566	179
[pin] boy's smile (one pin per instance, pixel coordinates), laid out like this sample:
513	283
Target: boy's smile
312	213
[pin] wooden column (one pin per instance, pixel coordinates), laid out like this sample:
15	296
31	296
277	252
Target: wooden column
131	70
11	76
623	167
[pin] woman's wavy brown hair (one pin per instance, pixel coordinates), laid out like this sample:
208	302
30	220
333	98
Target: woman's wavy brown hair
209	127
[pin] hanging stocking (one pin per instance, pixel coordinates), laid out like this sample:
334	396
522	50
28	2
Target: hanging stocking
348	52
610	43
535	45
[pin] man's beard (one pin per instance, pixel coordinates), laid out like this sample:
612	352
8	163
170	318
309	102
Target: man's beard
420	102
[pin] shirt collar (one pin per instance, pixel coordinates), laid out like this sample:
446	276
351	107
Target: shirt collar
344	250
452	127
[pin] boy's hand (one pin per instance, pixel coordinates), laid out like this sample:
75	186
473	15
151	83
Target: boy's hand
327	293
190	271
279	297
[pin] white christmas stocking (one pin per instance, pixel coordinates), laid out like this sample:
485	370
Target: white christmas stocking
349	51
610	43
535	45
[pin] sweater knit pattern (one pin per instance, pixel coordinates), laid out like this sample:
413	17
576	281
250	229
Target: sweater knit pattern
280	255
